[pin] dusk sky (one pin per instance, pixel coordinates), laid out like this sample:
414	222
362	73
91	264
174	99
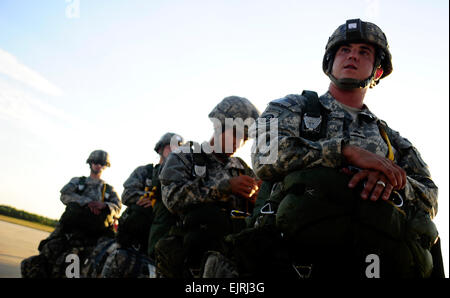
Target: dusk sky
76	76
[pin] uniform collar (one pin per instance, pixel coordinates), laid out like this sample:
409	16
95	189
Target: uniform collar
234	163
229	163
89	180
331	104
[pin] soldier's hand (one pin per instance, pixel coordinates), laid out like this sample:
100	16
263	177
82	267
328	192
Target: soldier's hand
96	207
367	160
144	202
376	184
244	186
254	194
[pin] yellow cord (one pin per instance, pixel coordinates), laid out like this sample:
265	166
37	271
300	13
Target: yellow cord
103	192
386	139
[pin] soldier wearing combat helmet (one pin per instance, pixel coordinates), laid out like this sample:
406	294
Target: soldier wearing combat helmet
144	221
337	134
91	206
203	186
142	192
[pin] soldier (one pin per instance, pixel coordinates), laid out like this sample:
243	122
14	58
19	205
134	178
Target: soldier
126	256
144	181
145	213
91	208
337	134
208	189
134	186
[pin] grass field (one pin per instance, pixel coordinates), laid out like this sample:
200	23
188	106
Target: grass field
25	223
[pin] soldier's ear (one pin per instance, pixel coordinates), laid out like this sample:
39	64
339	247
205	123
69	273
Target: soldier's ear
378	73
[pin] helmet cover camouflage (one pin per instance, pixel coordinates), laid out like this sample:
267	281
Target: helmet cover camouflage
166	140
233	107
99	157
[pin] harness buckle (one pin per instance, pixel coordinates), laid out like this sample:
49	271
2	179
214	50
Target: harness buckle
151	271
267	206
396	199
303	271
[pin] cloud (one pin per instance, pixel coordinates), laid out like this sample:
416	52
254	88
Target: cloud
25	110
25	107
10	66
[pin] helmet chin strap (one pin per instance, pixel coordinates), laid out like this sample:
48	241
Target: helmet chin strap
348	84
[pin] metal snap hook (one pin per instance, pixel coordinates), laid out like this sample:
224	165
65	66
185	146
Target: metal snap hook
269	206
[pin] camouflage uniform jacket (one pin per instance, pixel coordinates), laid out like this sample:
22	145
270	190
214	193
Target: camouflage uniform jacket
181	189
134	186
295	152
91	191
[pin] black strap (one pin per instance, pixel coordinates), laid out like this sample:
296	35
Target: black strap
81	185
314	112
198	158
149	169
108	189
313	107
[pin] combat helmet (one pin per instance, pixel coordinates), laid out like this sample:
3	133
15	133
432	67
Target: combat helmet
233	107
166	139
99	157
357	31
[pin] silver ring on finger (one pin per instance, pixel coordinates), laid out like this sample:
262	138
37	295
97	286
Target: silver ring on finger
379	182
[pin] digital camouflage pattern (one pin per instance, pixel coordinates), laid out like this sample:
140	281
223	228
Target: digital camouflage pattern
134	186
94	264
201	197
51	261
216	265
52	251
113	258
233	107
181	190
296	152
127	263
91	191
99	156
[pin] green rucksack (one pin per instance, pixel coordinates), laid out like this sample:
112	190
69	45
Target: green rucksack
316	207
77	218
162	222
135	222
318	210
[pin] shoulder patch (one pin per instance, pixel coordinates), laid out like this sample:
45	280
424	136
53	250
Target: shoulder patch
292	102
285	101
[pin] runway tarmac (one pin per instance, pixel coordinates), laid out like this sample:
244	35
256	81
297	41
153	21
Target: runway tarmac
17	243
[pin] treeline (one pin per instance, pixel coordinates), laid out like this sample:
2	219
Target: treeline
12	212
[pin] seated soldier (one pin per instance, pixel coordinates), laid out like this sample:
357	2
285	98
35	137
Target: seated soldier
341	148
208	189
91	208
142	194
127	257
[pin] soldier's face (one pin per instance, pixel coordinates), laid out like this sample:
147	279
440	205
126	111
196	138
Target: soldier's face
354	61
97	168
166	151
231	141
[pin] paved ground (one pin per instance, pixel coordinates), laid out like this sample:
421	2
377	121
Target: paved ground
17	243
